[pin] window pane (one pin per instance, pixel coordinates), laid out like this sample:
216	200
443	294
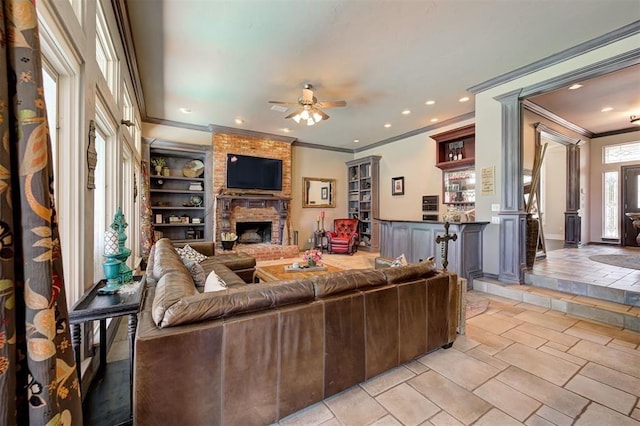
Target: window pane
621	153
610	196
51	100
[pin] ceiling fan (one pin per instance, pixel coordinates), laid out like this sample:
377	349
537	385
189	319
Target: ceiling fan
309	110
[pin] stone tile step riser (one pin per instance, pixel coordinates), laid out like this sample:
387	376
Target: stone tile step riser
610	294
628	320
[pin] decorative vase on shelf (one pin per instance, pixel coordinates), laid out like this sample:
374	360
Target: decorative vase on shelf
166	171
158	170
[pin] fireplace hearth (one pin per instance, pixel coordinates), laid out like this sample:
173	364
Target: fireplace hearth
253	232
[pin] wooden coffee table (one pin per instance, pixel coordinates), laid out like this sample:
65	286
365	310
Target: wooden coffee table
277	272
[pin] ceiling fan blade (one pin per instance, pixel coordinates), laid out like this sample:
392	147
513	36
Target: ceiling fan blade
294	113
322	113
283	103
332	104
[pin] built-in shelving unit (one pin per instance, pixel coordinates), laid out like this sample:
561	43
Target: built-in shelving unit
363	199
181	205
455	153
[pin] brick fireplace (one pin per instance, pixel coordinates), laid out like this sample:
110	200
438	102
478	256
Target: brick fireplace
236	206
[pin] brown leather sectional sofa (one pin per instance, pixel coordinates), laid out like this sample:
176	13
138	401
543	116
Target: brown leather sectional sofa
255	353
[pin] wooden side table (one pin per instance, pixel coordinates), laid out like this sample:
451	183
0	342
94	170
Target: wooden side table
92	307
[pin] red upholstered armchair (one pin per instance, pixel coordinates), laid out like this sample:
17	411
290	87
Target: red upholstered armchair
344	238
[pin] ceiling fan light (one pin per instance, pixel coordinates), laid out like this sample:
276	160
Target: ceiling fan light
304	115
296	118
310	122
317	117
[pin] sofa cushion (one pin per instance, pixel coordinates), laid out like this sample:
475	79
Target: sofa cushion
197	273
243	299
399	261
187	252
424	269
227	275
340	282
171	288
214	283
233	261
166	260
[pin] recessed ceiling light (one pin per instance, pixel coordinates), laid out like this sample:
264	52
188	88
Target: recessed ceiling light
575	86
606	109
356	140
433	120
430	102
286	130
464	99
387	125
239	120
185	110
406	112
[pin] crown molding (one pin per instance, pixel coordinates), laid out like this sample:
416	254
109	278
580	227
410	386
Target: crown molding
301	144
545	113
617	132
582	48
425	129
179	124
214	128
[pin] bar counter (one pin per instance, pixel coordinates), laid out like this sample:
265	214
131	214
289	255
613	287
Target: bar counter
417	240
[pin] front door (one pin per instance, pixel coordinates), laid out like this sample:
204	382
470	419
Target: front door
630	203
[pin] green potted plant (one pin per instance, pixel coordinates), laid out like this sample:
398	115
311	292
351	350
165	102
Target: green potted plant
228	239
159	163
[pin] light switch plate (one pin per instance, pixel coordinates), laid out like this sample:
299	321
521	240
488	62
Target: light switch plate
495	219
495	207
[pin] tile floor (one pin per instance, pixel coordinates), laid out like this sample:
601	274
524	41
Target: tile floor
518	363
573	264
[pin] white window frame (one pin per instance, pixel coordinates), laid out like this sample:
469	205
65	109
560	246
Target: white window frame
104	44
63	60
631	147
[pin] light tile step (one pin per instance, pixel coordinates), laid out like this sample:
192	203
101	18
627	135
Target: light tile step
616	314
612	294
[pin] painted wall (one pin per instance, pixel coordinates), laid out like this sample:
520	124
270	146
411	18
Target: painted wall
415	159
529	119
597	169
489	132
554	190
317	163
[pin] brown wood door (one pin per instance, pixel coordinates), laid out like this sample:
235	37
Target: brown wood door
630	203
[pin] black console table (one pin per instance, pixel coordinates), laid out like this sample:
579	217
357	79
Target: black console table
92	307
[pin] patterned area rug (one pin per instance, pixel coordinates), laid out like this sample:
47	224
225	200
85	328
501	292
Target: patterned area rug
621	260
476	308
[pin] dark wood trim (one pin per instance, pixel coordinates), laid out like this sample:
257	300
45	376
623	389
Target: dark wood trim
617	132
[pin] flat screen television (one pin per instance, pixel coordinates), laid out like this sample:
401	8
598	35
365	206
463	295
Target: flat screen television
246	172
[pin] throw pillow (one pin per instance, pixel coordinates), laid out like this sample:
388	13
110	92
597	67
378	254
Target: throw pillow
196	271
214	283
399	261
187	252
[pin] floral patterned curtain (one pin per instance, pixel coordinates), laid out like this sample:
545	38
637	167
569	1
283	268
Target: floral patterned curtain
146	215
38	380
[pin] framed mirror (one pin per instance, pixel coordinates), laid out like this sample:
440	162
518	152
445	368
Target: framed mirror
318	192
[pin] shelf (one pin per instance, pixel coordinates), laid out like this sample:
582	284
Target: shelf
456	164
183	178
176	191
176	225
176	208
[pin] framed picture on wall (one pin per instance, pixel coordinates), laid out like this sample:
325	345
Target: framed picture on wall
324	193
397	186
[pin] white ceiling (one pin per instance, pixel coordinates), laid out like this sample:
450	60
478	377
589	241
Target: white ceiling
226	59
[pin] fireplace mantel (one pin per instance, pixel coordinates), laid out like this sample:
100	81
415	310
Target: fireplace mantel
253	201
